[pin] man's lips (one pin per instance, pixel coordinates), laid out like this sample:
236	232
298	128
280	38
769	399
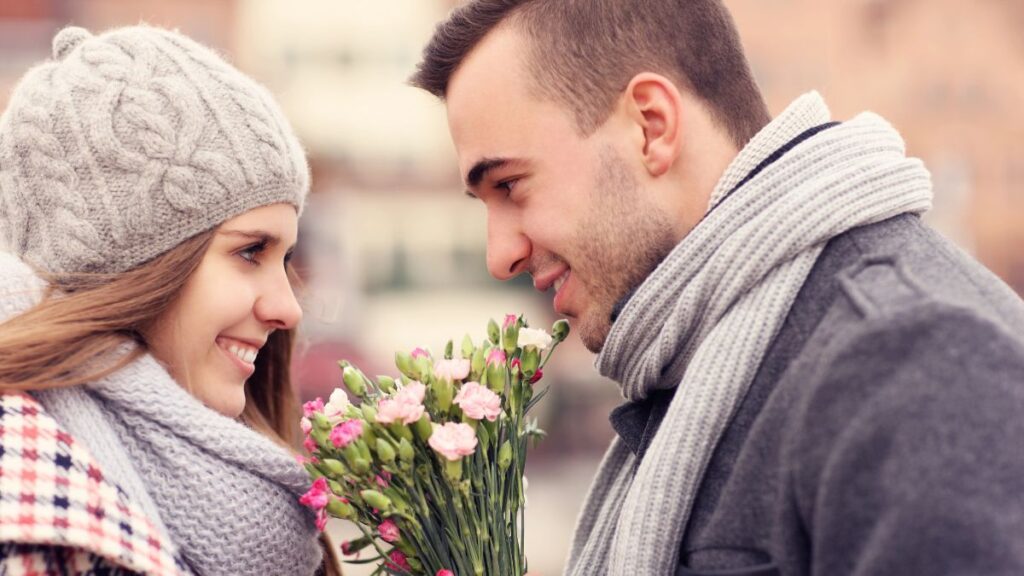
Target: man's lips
557	278
549	278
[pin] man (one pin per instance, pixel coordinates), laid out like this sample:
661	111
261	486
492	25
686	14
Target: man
816	382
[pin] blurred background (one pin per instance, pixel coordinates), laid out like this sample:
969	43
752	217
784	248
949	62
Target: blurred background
393	252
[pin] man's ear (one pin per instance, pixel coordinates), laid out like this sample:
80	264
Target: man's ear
654	103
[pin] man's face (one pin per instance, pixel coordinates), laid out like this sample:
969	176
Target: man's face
570	211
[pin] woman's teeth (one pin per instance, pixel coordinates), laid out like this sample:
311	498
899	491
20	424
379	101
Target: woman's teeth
246	354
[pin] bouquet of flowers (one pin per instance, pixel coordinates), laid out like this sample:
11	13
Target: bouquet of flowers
430	464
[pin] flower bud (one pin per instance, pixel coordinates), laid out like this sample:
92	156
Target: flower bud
369	413
335	487
361	466
354	381
376	499
510	338
560	331
340	509
400	430
364	450
530	361
405	450
403	360
422	428
443	393
386	384
318	440
384	451
351	454
423	367
504	456
333	467
397	499
467	346
493	333
448	350
476	365
320	422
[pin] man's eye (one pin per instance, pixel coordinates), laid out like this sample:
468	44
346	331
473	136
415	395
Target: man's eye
507	185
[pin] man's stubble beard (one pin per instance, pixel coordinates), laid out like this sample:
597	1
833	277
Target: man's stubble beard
621	240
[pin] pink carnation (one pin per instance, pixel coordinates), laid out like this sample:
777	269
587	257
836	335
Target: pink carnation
306	425
496	357
317	496
419	353
453	440
384	479
510	319
445	572
346	548
405	405
388	531
302	460
454	369
348	431
309	445
312	407
397	561
478	402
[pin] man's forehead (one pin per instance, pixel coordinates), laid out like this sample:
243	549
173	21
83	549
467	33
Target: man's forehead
487	102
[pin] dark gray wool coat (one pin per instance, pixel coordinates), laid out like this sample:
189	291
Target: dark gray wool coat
884	431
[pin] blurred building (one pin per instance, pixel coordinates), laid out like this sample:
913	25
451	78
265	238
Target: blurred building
948	74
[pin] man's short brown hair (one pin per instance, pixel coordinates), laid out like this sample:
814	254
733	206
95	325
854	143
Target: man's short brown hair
583	53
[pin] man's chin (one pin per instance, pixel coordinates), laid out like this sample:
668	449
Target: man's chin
592	333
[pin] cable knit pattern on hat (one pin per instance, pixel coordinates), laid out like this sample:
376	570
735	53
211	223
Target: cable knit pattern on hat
127	143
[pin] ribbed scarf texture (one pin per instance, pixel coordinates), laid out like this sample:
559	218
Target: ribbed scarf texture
225	495
704	318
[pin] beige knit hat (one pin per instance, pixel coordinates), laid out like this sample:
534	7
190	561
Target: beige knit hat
128	143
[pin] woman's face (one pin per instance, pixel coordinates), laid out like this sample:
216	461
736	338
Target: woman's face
236	298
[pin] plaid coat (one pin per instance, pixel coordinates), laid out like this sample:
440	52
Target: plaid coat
59	514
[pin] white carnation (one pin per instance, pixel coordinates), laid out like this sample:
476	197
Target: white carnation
336	406
535	337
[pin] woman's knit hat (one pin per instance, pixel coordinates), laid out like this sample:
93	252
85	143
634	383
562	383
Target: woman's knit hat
128	143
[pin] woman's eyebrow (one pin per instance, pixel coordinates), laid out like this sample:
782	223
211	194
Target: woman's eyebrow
269	238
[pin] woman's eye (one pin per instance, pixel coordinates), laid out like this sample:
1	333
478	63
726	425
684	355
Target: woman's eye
250	253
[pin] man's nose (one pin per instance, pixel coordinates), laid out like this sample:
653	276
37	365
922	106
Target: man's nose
508	249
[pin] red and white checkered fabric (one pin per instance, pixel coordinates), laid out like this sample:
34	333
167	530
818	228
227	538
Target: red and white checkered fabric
52	493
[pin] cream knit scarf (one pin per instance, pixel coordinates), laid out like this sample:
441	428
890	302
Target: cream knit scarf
704	318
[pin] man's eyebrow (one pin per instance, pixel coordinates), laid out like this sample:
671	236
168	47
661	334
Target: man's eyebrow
479	171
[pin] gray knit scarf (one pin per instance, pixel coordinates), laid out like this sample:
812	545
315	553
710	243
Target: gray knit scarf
704	318
225	495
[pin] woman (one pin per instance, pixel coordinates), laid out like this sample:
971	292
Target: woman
149	197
